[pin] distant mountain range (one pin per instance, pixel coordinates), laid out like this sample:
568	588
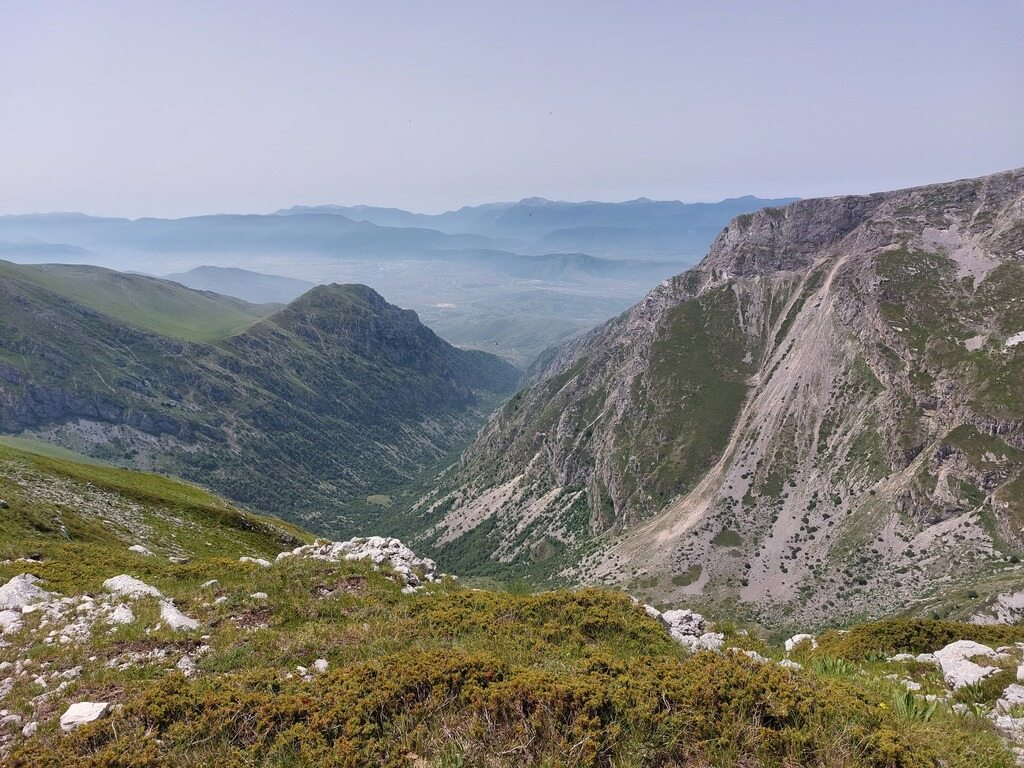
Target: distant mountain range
470	272
637	228
304	410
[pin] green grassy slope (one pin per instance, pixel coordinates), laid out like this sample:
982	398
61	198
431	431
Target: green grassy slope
444	677
305	413
79	518
156	305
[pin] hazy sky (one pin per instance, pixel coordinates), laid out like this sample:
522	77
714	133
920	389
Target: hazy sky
144	108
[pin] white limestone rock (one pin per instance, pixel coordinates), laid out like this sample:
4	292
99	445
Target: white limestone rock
957	667
903	657
187	666
320	666
651	611
1012	698
175	619
10	622
30	729
800	639
259	596
712	641
140	550
22	590
262	563
122	614
83	712
130	587
379	550
684	623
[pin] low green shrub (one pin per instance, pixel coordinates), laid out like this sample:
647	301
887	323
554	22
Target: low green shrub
887	637
471	708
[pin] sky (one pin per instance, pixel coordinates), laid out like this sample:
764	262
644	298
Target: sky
178	108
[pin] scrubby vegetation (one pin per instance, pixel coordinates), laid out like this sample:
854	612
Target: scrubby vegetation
891	636
445	677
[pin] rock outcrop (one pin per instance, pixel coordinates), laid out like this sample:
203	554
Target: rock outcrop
414	571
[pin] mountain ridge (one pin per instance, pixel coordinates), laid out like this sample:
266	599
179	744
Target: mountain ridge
658	410
375	396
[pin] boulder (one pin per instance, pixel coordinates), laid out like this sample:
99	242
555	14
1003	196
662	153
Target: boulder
140	550
1012	698
22	590
379	550
122	614
130	587
957	667
10	622
320	666
800	639
175	619
684	623
187	666
651	611
83	712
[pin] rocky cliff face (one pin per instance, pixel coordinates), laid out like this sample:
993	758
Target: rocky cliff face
824	419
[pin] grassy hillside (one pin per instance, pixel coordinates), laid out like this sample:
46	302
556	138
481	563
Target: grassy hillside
156	305
305	413
443	677
78	518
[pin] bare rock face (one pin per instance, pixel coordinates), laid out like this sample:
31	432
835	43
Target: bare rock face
812	422
957	667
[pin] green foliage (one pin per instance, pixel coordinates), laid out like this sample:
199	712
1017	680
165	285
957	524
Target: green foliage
909	706
474	707
988	689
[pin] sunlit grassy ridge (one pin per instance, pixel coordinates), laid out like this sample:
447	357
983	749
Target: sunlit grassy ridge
160	306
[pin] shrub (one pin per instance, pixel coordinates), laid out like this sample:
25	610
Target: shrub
892	636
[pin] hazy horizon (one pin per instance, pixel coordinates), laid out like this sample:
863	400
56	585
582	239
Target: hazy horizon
120	109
